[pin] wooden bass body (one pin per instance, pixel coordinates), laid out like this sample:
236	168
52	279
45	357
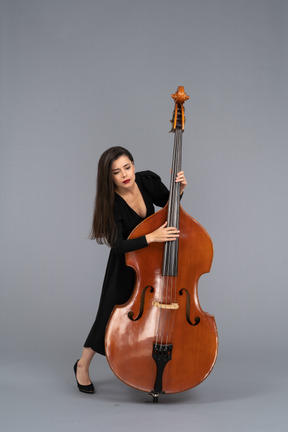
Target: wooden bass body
191	334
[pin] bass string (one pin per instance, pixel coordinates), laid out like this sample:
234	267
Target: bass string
175	222
173	259
166	315
166	318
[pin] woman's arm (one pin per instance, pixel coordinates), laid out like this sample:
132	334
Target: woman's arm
160	235
127	245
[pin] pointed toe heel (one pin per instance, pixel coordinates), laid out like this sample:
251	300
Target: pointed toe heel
83	388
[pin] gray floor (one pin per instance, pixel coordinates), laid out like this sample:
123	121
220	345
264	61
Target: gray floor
239	395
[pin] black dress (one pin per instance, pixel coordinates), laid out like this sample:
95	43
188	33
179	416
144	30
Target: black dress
119	279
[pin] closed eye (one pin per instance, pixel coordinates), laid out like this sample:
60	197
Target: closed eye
126	167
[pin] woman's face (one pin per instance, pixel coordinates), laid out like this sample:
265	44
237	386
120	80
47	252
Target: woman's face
123	173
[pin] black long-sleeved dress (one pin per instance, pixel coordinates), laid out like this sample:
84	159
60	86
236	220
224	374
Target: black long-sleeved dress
119	279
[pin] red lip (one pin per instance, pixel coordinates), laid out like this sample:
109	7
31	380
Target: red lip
126	181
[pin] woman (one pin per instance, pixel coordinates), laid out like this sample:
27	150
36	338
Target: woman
123	199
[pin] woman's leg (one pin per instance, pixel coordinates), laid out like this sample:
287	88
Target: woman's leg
83	366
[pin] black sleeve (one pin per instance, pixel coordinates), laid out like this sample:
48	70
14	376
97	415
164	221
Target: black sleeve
127	245
155	188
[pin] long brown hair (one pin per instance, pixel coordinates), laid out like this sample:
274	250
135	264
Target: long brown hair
104	229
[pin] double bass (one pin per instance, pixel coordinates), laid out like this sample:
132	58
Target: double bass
161	341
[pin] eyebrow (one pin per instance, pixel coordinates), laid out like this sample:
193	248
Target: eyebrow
124	166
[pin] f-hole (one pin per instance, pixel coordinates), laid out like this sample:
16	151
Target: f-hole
197	319
142	302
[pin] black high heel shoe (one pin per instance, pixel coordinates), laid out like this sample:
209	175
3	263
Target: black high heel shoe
83	388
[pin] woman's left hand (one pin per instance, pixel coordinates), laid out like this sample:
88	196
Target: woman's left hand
180	178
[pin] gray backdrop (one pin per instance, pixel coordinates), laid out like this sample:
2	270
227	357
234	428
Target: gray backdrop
80	76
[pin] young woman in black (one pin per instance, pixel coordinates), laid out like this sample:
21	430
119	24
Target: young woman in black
123	200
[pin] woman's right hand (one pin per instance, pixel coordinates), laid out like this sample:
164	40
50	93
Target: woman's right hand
163	234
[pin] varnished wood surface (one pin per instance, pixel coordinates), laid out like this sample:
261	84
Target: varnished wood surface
129	343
